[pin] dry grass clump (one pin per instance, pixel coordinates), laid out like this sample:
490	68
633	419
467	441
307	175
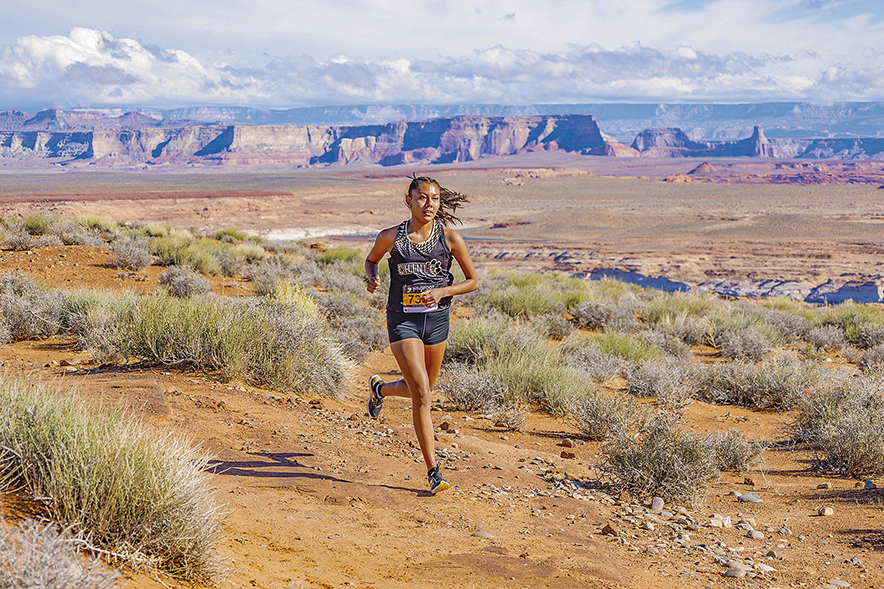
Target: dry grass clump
132	252
553	326
184	281
662	460
672	381
665	308
781	383
18	239
180	247
468	388
732	451
871	335
606	316
744	344
135	497
29	310
599	415
844	425
584	353
40	555
827	337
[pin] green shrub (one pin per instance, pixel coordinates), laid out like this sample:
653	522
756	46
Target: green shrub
180	248
669	308
517	356
232	234
344	254
91	221
525	300
851	317
663	461
138	497
282	342
38	223
629	347
250	252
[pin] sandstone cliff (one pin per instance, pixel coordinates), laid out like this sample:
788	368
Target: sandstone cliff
444	140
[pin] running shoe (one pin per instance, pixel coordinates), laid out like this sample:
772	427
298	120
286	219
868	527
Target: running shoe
437	483
375	400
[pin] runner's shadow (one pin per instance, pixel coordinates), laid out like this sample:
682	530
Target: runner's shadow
255	468
288	460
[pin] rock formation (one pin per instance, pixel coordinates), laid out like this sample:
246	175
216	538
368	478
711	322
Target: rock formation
673	142
456	139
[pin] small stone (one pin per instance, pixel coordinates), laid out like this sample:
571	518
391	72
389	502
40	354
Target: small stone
735	573
568	455
652	550
774	554
748	481
568	443
624	497
824	511
749	498
785	531
657	504
648	526
839	583
764	568
444	426
824	486
869	485
482	534
610	530
755	535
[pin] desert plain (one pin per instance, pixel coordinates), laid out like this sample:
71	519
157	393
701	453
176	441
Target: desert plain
314	493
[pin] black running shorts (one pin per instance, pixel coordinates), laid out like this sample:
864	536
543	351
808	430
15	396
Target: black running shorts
430	328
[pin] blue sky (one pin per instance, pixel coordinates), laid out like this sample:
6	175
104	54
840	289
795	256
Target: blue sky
286	53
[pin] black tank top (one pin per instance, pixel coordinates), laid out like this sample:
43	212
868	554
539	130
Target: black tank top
418	267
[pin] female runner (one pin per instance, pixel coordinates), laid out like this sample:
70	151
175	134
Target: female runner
421	287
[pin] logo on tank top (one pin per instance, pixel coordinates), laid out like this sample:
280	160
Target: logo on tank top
427	269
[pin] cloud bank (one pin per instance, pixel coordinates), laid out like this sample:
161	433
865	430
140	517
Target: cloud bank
720	51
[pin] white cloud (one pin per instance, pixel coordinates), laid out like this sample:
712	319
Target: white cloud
282	53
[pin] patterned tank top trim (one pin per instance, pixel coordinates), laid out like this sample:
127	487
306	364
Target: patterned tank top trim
404	243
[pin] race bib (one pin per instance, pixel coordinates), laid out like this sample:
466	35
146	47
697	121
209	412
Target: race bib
413	302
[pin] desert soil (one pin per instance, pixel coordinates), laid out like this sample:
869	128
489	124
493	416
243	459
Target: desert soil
316	494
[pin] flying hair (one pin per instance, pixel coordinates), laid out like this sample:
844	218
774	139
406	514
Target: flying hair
450	200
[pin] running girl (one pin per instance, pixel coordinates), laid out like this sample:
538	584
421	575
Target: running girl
421	287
